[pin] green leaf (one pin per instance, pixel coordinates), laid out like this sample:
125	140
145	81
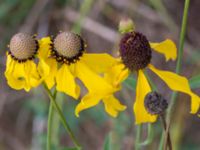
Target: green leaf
107	142
195	82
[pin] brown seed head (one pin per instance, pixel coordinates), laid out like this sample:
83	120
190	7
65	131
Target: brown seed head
22	46
68	44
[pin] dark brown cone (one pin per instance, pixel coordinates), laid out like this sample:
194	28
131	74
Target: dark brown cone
135	51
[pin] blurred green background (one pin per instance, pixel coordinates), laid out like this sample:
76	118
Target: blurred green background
23	116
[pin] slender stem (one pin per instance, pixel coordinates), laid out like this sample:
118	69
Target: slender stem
62	118
138	135
150	135
161	141
167	138
49	127
182	35
179	60
180	54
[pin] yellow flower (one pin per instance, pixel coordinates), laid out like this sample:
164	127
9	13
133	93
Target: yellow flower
135	51
67	60
112	105
21	71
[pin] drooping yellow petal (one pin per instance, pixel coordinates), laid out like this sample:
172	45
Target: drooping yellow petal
15	75
98	62
113	106
142	89
12	81
66	82
21	75
33	77
47	70
9	65
167	48
88	101
91	80
97	87
116	75
178	83
44	47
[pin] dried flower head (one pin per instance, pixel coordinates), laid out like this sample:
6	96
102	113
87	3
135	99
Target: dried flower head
155	103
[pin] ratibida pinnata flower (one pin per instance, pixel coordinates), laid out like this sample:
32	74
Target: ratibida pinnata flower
67	58
21	70
135	52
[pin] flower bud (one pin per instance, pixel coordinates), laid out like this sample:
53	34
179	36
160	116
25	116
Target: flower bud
126	25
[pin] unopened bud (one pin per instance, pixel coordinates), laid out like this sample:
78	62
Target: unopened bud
126	25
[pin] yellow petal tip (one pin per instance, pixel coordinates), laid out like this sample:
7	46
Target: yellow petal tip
167	48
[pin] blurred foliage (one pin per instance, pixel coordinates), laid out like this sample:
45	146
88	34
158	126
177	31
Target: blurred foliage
107	142
195	82
130	82
12	15
17	10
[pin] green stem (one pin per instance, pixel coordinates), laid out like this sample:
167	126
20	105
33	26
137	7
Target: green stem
161	141
138	136
150	136
180	55
50	121
49	127
179	60
182	35
62	118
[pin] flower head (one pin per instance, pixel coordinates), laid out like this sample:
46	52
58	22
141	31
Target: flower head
135	51
68	60
21	71
67	47
23	47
